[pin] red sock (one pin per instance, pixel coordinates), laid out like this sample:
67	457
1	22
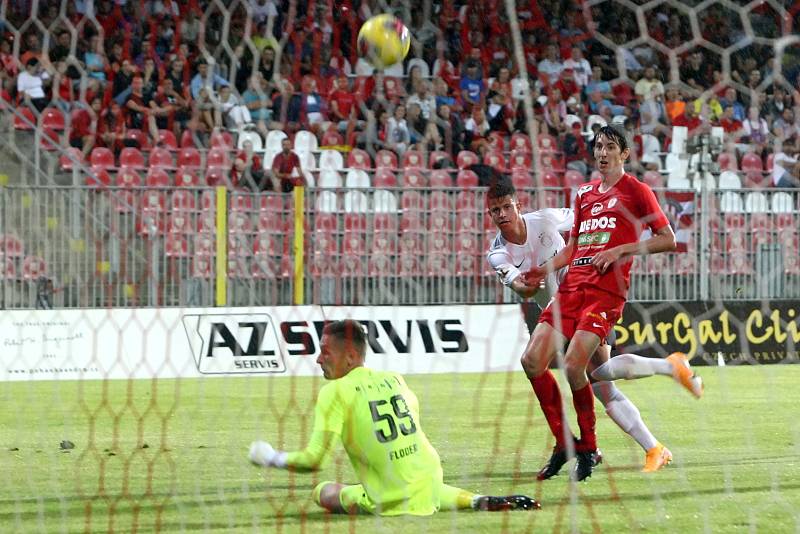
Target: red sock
583	400
546	389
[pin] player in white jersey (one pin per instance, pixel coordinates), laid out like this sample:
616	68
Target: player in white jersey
529	240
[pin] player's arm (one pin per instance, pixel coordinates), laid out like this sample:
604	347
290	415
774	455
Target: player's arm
559	261
510	275
328	423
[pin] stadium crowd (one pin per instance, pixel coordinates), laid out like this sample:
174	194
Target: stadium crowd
155	65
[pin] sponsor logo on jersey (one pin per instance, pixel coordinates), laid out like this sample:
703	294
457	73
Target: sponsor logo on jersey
546	240
601	223
612	202
597	238
584	189
235	343
597	208
585	260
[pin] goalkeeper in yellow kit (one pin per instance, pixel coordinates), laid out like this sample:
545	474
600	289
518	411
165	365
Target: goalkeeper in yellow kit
376	416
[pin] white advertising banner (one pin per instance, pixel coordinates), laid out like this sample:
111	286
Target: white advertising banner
276	341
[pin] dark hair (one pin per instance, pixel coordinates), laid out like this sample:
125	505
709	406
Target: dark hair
348	331
501	187
612	134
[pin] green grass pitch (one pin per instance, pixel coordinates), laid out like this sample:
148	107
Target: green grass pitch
170	456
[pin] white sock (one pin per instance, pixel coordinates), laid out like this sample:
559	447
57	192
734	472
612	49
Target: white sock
630	366
624	413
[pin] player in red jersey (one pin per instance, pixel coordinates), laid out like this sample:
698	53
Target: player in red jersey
610	215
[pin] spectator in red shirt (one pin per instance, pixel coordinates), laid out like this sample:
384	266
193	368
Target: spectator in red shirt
111	128
286	170
83	131
689	119
247	171
567	85
729	123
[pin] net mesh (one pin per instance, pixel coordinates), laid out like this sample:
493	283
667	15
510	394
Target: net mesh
112	424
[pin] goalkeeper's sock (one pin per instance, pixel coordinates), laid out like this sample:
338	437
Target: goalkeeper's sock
624	413
452	498
546	389
583	401
630	366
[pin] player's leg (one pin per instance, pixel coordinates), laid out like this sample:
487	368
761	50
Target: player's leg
342	499
452	498
626	415
632	366
580	350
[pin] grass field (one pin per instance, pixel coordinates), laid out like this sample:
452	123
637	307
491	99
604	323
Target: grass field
171	456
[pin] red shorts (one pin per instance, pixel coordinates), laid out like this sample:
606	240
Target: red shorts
588	309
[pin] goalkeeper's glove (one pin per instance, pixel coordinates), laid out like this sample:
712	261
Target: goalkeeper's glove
262	453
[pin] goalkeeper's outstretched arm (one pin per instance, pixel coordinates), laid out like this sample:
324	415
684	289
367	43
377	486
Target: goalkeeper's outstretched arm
313	458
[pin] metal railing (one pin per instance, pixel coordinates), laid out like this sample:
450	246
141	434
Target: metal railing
103	247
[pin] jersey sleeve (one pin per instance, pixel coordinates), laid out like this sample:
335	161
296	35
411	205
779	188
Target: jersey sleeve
652	216
562	218
328	423
500	261
576	216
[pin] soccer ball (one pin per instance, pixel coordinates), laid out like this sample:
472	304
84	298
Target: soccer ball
383	41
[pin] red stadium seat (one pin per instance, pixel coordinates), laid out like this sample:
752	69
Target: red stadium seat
384	178
727	162
409	266
413	159
222	139
574	179
411	222
467	255
241	202
186	177
412	201
166	139
176	246
439	243
762	232
138	137
353	243
738	263
53	119
522	179
521	159
270	222
157	177
382	265
101	157
71	158
466	158
550	179
151	223
98	177
496	160
180	222
440	200
497	142
331	138
385	222
547	143
436	156
551	161
162	158
386	159
128	177
752	162
218	157
9	269
205	244
33	267
324	242
11	246
154	200
352	264
359	159
439	223
272	203
202	267
411	243
189	157
525	201
466	178
49	140
24	119
239	245
132	158
218	176
438	265
520	141
414	178
238	269
756	180
355	222
182	200
468	220
239	221
267	244
384	243
440	178
326	221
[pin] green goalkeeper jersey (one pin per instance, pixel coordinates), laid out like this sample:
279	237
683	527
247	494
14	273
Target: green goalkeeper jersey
376	416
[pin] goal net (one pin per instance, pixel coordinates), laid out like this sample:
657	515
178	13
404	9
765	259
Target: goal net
191	191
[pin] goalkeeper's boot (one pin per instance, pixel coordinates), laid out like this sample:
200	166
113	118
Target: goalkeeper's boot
657	457
488	503
553	465
683	374
584	463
